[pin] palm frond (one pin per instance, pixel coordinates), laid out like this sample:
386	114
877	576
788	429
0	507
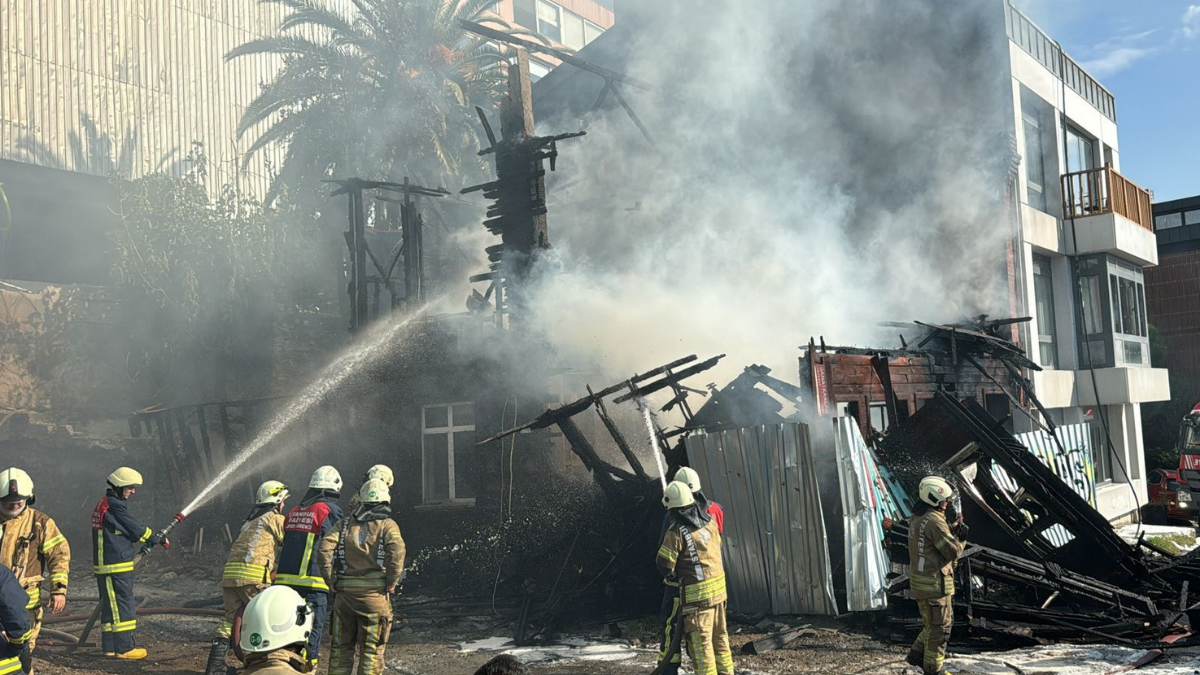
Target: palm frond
283	45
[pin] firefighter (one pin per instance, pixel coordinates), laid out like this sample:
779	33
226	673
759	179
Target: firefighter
115	536
380	471
690	555
250	564
32	547
363	557
668	613
14	622
306	524
275	630
932	552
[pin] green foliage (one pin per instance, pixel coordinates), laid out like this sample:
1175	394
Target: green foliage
1177	543
384	91
216	268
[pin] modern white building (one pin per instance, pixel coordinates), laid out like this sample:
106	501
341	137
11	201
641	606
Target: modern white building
1085	235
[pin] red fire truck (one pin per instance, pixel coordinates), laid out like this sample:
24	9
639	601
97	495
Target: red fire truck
1179	491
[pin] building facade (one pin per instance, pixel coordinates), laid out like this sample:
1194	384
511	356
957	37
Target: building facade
566	24
1084	238
1173	288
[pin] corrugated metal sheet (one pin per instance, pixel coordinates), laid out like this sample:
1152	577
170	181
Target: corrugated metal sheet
866	564
775	549
1076	468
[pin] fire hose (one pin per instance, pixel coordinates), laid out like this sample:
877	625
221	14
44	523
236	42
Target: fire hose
91	622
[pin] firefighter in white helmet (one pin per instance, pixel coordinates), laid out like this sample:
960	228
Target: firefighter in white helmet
306	524
275	629
32	547
690	555
363	557
250	565
116	535
380	472
932	552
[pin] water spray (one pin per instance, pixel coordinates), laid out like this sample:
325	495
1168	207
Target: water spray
654	448
330	378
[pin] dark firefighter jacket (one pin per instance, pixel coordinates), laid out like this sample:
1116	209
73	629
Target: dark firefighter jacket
116	535
306	524
14	618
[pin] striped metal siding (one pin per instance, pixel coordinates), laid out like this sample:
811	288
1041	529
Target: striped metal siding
863	508
153	66
775	549
1076	468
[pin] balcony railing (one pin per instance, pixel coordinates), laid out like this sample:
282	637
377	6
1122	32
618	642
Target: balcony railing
1098	191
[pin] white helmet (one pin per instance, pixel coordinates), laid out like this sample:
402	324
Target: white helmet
271	492
689	476
326	478
274	619
934	490
678	495
124	477
381	472
374	491
15	486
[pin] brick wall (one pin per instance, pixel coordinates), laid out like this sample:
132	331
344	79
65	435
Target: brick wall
1173	306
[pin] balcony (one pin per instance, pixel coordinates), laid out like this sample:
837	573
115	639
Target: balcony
1111	215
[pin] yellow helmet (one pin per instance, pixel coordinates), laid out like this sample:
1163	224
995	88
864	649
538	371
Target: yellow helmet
689	476
934	490
15	486
124	477
271	492
678	495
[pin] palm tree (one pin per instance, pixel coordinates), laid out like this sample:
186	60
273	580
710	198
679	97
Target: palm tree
384	91
91	151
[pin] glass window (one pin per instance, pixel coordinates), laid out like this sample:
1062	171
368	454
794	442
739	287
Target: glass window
1169	220
537	70
1032	117
1191	217
572	30
590	32
879	421
548	21
1043	293
1081	151
1090	298
525	13
1129	316
447	452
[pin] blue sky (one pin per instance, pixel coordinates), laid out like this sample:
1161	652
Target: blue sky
1148	55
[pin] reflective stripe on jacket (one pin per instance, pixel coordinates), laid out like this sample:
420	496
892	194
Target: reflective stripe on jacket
302	532
363	556
693	558
14	617
116	535
932	551
35	548
253	555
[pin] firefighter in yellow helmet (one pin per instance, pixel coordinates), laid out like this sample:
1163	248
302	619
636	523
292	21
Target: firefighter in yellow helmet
250	564
275	629
32	547
690	554
932	552
363	557
116	535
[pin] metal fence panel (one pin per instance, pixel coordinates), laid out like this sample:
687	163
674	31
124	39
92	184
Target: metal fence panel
866	564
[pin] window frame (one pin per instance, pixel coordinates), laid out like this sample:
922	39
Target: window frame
1033	127
1048	329
448	431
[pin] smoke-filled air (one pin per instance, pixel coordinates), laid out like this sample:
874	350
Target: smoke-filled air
817	167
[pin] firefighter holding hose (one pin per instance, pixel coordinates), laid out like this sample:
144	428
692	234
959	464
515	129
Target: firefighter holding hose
116	535
32	547
250	564
932	552
690	554
305	526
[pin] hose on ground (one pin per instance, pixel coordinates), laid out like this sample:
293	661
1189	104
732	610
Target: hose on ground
144	611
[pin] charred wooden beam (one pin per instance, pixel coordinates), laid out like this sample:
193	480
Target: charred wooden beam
619	438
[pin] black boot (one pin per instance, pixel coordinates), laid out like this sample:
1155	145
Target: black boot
216	657
915	658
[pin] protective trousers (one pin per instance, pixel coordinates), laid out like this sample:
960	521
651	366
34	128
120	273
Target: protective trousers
35	625
668	618
361	620
118	612
707	640
234	598
319	601
937	618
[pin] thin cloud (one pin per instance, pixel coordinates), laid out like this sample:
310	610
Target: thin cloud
1116	60
1191	22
